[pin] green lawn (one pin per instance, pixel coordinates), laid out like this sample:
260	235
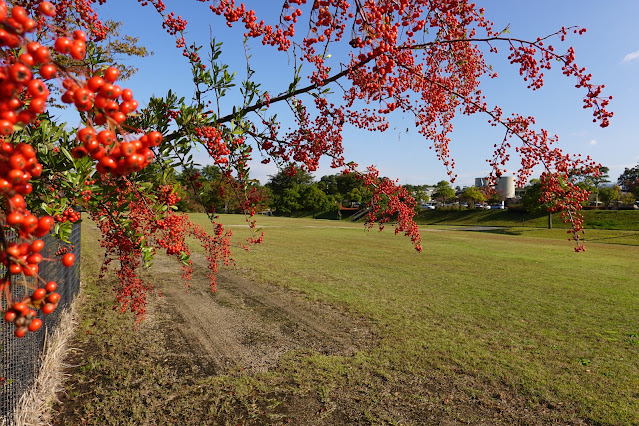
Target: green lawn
481	310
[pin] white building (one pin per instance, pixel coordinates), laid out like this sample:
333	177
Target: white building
505	186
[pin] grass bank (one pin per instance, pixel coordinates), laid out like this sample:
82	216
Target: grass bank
593	219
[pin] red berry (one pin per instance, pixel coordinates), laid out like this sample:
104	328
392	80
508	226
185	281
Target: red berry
35	324
10	315
63	45
48	71
36	245
51	286
20	307
46	8
53	298
38	294
111	74
68	259
48	308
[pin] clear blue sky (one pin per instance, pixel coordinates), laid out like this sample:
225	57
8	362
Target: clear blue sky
609	49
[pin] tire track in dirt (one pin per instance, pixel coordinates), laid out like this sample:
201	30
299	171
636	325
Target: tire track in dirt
245	326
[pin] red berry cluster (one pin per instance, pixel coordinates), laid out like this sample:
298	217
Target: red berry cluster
23	314
110	105
399	206
86	194
22	97
18	164
68	215
167	195
119	158
22	258
101	93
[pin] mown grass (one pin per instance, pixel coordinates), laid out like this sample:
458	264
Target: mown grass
479	328
558	327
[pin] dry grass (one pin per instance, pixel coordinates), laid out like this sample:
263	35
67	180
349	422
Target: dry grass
34	405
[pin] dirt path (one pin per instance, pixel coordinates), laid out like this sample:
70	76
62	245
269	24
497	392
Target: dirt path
246	326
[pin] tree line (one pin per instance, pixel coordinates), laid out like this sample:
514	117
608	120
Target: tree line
288	193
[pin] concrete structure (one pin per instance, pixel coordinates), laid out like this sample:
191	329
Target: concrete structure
505	186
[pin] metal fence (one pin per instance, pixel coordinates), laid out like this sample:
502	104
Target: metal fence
20	359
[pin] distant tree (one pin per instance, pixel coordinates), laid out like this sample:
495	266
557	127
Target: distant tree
628	199
590	182
419	192
346	188
210	172
313	199
288	201
472	195
356	195
494	197
530	198
443	191
629	180
208	189
608	195
602	178
348	182
288	178
294	192
328	184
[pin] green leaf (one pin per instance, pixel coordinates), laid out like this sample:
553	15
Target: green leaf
63	231
66	153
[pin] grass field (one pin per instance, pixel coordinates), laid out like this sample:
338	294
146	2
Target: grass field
559	327
478	328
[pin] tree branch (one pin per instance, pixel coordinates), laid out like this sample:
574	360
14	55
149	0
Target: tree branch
289	95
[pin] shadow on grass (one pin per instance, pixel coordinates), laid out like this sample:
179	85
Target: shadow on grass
612	238
621	238
505	231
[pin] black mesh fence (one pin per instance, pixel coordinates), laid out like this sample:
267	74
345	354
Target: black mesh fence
20	358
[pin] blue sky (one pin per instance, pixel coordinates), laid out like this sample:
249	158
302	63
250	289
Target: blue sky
609	49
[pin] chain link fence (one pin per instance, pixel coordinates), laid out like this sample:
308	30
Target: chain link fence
20	359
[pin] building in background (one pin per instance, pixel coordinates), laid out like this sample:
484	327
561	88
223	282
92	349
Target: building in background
505	186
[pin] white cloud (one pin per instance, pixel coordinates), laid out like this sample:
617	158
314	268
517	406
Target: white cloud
631	56
592	142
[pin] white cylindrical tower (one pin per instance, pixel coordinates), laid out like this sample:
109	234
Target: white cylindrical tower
506	186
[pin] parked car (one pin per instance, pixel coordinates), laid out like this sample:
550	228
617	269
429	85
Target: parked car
497	207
